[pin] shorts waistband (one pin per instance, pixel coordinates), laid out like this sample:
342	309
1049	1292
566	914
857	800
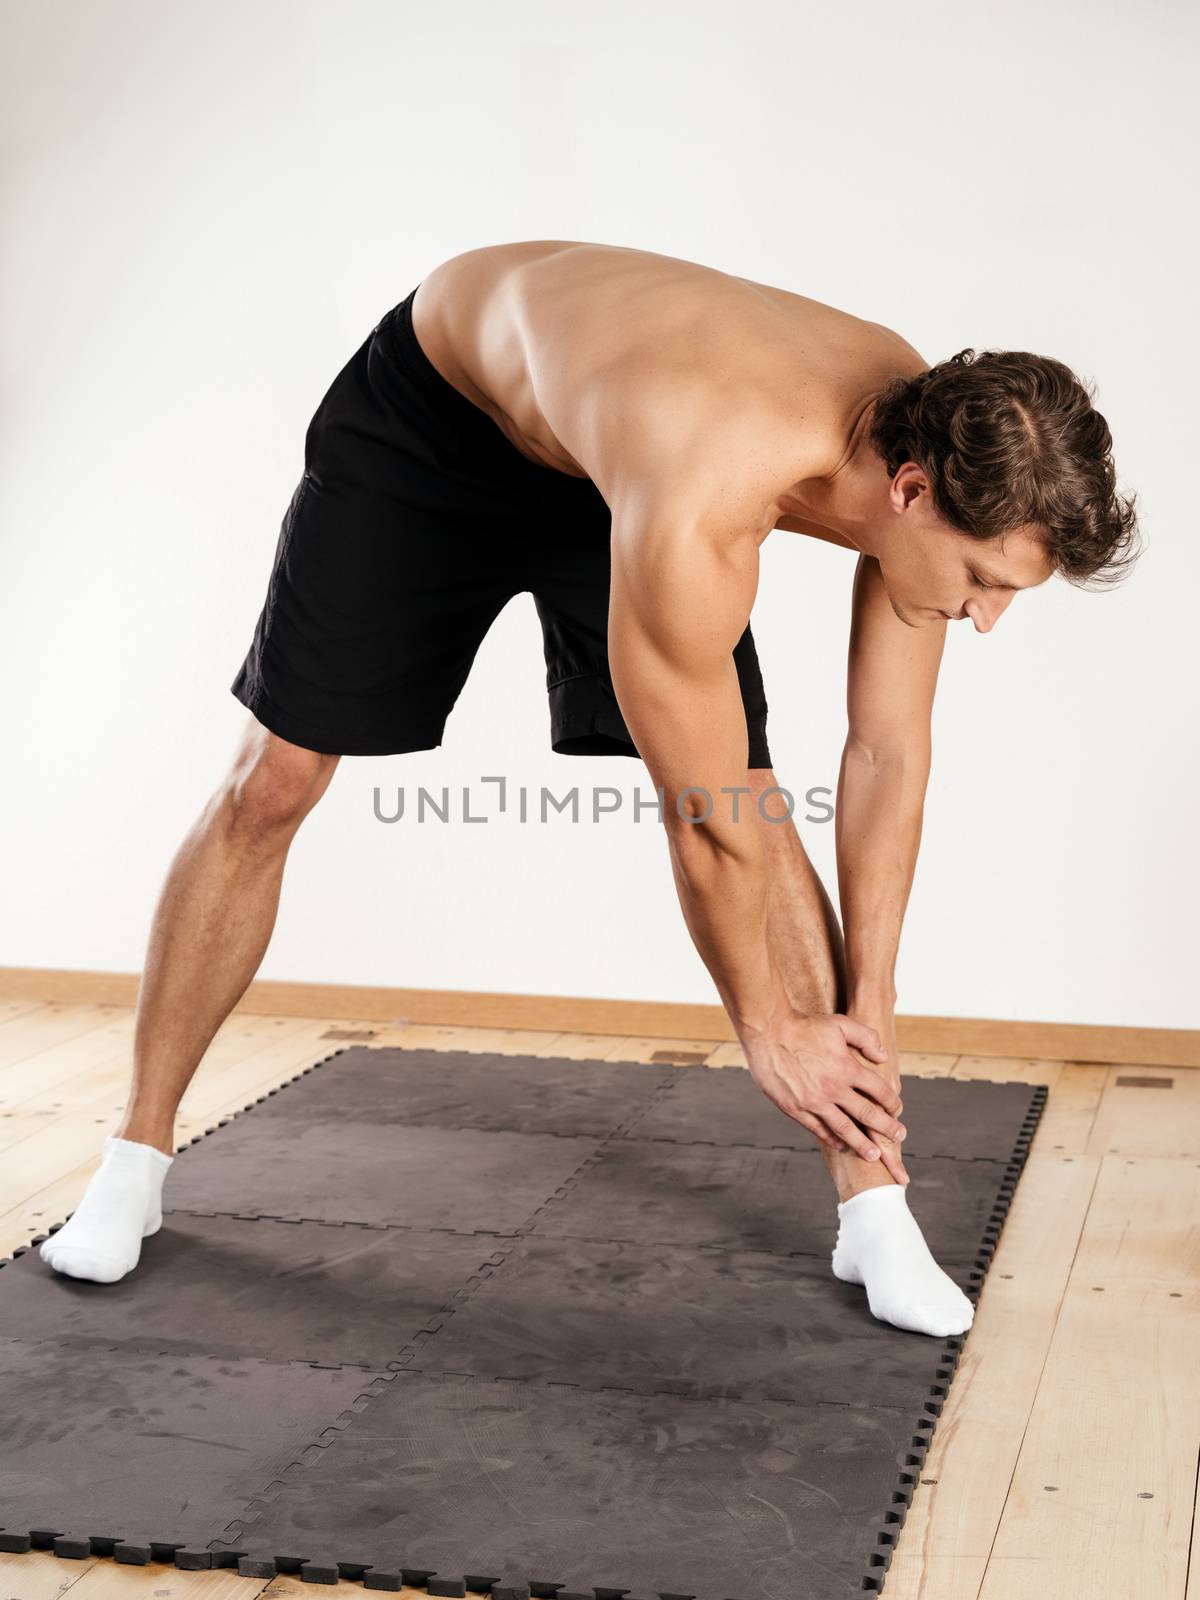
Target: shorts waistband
492	455
397	327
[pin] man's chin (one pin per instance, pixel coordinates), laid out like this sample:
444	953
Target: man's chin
910	619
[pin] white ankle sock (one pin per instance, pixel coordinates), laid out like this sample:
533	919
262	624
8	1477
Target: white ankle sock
122	1205
880	1245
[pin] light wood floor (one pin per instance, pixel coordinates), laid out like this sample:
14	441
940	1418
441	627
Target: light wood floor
1065	1462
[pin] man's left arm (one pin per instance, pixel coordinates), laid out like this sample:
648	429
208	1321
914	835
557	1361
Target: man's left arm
892	677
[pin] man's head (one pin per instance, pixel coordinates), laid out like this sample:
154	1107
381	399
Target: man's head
1000	473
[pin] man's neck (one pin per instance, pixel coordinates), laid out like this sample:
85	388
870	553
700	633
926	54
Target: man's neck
846	500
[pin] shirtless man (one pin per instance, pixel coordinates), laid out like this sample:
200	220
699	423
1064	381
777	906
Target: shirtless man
617	432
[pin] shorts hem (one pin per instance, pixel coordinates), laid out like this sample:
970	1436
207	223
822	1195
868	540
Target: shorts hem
585	719
591	734
759	753
324	742
595	727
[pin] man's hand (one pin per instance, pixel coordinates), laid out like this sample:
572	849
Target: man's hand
884	1024
880	1015
808	1067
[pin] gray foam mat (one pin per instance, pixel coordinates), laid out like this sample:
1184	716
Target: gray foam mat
390	1175
469	1089
468	1320
513	1483
673	1320
131	1447
737	1197
340	1293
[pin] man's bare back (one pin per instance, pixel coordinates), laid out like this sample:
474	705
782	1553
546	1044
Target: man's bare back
578	351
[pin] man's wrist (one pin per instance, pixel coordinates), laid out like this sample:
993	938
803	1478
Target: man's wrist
755	1022
877	1008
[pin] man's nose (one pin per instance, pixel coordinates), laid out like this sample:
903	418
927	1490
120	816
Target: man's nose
987	612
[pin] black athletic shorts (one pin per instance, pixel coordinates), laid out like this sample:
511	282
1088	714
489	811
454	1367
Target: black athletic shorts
414	522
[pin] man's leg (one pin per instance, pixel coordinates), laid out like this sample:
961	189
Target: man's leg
880	1244
807	939
211	927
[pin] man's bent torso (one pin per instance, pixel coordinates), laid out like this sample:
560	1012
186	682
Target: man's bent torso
483	442
561	343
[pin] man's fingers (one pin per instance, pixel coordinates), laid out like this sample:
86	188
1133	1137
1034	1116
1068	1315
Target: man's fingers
891	1159
815	1125
888	1155
862	1038
854	1137
873	1116
785	1100
877	1088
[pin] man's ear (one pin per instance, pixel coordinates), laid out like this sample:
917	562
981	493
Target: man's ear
908	485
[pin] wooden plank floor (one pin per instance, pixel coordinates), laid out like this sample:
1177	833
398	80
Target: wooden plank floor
1065	1462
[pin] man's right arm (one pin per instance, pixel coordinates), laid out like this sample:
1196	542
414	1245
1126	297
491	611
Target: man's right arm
681	594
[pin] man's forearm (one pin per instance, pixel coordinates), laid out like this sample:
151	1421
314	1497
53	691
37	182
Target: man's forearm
880	805
722	888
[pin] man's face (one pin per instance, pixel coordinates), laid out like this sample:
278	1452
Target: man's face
933	573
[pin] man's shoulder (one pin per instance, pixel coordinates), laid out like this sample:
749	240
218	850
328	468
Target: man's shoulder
893	349
668	430
672	440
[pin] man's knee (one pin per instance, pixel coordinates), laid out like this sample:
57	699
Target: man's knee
273	785
771	800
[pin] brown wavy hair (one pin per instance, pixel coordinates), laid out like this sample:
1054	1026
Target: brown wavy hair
1006	439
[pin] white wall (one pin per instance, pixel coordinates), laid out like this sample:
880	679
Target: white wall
209	205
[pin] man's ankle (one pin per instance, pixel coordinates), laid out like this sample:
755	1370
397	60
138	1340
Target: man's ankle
161	1138
853	1179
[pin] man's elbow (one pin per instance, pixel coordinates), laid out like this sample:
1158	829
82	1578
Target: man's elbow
876	753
